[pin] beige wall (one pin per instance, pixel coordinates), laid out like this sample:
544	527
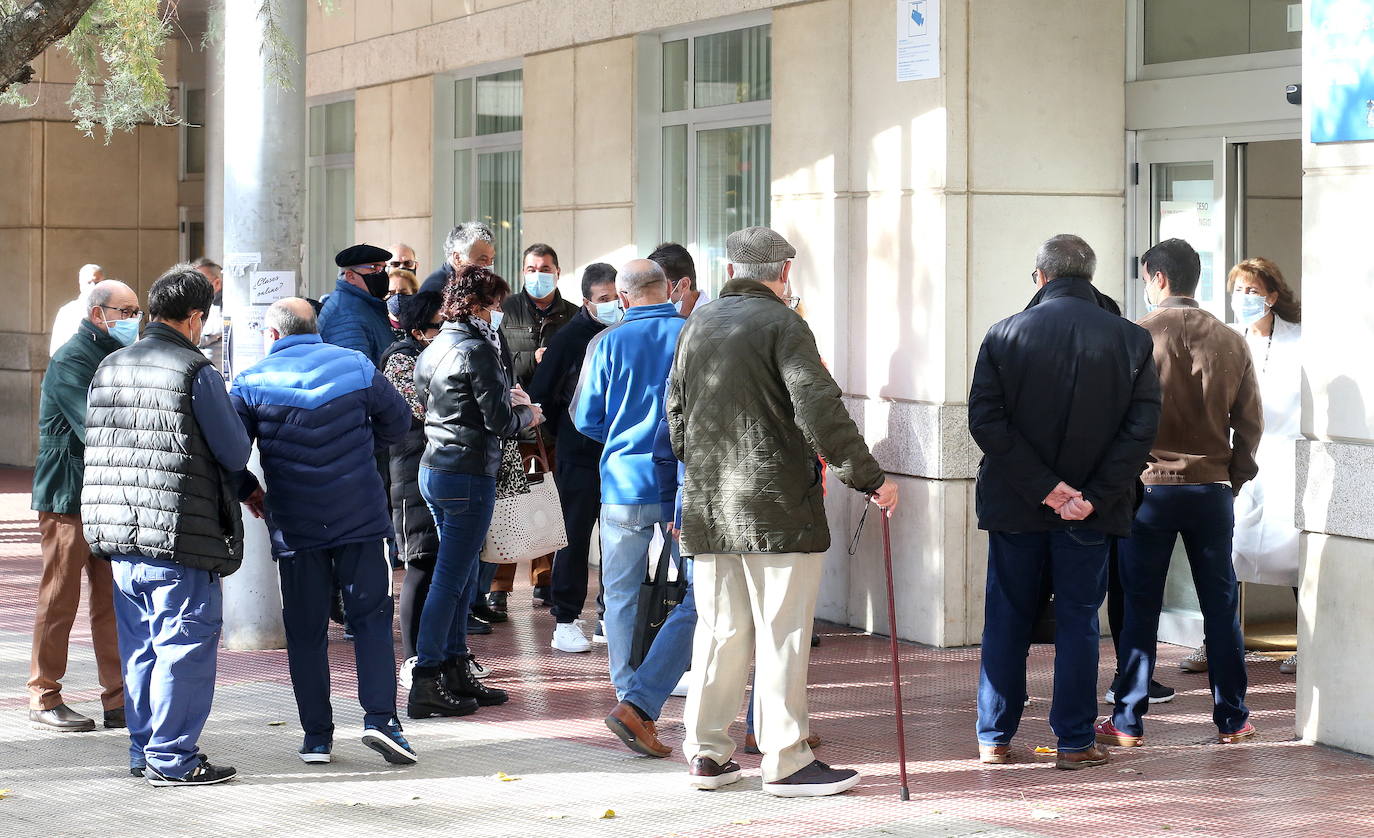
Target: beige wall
393	166
1335	463
917	208
72	200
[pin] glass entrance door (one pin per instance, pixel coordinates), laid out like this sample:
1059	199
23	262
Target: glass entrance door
1181	194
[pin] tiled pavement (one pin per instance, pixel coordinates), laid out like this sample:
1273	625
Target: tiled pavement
571	771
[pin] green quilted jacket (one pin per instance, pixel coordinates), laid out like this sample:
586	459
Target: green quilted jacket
750	406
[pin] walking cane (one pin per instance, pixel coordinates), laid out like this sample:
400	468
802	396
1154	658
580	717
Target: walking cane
896	663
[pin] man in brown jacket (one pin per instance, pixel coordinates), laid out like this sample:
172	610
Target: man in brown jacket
1204	452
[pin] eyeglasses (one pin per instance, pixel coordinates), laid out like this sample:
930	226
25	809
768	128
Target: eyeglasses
408	264
1035	276
127	312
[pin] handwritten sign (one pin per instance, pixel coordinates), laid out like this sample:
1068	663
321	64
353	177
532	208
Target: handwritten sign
266	287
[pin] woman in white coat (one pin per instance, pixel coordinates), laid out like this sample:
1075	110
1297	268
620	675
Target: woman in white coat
1265	547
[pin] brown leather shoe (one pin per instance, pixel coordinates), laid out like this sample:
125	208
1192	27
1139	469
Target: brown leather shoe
994	754
1074	760
638	734
751	743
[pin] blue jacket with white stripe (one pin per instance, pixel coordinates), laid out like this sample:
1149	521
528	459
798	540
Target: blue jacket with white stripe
319	413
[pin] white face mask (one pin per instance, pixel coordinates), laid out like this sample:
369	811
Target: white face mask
496	319
1249	308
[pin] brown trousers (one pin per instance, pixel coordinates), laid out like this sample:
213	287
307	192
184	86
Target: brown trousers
65	556
541	568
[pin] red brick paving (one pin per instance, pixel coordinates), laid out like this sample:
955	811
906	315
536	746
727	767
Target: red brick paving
1181	783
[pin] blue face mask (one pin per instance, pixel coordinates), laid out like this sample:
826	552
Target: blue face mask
393	305
496	319
541	285
1249	308
609	313
124	331
1149	306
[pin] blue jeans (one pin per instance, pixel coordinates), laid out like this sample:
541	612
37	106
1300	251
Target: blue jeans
169	618
626	531
462	506
1017	561
1205	516
363	573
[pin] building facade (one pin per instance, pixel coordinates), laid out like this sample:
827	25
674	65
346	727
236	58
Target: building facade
603	127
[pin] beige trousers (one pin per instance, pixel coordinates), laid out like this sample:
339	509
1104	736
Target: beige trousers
759	606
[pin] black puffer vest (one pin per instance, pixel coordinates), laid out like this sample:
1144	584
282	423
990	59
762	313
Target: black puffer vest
152	487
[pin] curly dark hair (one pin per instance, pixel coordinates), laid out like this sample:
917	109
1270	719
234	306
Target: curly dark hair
1266	273
471	288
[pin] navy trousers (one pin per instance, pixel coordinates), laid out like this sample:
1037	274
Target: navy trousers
308	579
1077	559
1205	516
579	493
169	619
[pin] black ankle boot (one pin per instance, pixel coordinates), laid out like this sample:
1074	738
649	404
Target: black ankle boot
429	697
458	678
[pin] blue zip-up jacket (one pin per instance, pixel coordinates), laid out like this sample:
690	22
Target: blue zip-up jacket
354	319
620	399
319	412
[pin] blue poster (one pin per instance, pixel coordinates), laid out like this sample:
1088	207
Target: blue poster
1338	79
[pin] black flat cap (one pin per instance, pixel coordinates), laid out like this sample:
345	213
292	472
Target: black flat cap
361	254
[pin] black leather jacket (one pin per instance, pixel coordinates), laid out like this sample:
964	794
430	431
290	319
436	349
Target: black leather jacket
466	392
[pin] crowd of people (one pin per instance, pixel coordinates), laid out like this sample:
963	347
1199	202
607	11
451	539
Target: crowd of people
662	416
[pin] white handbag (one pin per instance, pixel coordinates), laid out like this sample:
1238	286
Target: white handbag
530	524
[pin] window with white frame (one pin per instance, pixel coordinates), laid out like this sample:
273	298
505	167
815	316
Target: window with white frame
193	133
330	192
479	118
715	114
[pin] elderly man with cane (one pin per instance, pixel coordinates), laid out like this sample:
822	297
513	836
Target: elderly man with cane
750	406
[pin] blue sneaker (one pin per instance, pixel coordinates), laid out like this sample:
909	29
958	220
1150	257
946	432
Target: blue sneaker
390	744
317	755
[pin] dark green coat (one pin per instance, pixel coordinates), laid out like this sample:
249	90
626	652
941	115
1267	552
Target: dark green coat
62	420
750	405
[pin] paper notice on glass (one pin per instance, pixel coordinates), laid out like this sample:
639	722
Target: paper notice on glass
266	287
918	39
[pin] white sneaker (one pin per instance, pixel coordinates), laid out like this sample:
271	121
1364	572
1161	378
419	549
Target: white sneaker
568	637
405	675
477	669
681	689
599	636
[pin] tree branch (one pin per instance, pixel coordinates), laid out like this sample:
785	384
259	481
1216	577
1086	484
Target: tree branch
25	34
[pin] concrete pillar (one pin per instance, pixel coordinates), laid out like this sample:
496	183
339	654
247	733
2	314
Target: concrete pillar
263	211
214	148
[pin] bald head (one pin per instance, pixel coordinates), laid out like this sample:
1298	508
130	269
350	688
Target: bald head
642	282
109	301
403	258
291	316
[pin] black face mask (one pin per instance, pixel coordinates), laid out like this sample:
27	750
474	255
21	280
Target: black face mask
377	283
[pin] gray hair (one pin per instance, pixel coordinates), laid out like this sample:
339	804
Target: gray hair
86	276
759	271
101	294
287	322
633	283
461	238
1065	255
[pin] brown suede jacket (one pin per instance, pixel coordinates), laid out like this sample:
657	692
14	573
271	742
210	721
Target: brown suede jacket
1212	419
